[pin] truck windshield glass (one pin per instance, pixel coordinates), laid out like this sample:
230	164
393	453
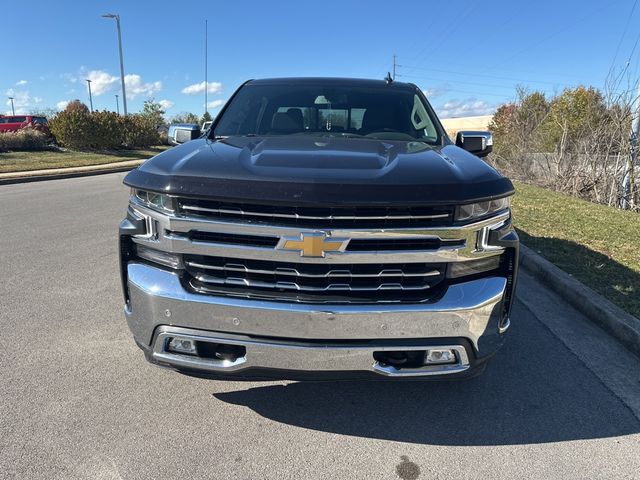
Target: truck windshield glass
383	112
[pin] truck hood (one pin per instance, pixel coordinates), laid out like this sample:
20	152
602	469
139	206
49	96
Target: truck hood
320	170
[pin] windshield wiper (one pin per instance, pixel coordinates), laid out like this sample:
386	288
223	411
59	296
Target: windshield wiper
335	134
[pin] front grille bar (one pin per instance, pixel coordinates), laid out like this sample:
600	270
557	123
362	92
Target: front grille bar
296	273
332	287
296	216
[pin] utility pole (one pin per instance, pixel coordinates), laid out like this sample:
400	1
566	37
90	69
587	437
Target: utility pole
13	110
90	99
394	67
124	93
633	156
206	85
117	105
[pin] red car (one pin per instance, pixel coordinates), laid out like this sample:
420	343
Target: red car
12	123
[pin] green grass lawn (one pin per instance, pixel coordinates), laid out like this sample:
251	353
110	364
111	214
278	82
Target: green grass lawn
25	161
598	245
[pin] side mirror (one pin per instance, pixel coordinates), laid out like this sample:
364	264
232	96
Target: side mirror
181	133
478	143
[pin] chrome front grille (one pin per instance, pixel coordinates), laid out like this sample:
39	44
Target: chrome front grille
312	282
317	217
244	253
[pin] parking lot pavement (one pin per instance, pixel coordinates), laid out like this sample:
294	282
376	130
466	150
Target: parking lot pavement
77	399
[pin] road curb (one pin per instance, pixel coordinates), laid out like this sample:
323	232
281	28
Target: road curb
71	172
611	318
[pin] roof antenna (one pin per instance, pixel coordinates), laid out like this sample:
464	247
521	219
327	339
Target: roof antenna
388	78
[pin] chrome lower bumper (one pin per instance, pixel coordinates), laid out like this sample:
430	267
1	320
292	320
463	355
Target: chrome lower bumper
289	356
313	337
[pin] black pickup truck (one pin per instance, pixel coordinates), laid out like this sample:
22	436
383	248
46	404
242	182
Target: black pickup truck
322	228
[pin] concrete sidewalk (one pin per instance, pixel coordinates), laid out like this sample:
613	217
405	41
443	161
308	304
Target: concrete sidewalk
68	172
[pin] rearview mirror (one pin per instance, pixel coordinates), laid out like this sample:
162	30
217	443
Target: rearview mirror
478	143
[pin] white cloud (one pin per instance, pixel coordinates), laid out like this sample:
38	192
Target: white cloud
465	108
21	82
135	86
434	91
216	104
196	88
166	104
62	104
103	82
37	99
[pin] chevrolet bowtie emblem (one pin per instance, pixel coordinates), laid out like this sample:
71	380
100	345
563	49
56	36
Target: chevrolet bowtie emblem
312	244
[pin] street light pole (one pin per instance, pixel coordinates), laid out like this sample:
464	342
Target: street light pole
13	110
117	105
124	93
206	84
90	99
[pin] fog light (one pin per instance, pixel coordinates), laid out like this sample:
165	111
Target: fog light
182	345
438	356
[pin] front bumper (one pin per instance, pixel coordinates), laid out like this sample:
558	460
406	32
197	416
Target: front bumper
332	340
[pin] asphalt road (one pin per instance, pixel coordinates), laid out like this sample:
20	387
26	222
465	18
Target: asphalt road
77	399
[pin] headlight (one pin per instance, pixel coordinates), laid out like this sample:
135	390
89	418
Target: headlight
157	201
481	209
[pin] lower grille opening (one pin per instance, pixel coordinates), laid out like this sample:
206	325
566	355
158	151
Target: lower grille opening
220	351
401	358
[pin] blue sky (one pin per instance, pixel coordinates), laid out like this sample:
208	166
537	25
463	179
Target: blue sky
467	55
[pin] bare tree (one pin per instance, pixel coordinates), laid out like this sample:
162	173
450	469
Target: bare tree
576	142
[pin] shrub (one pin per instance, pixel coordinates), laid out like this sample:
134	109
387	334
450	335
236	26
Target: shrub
80	129
76	106
139	131
24	139
72	128
106	132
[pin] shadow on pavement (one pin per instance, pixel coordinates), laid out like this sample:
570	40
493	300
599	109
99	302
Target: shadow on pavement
534	391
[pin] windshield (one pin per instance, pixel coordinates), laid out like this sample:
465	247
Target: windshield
378	112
